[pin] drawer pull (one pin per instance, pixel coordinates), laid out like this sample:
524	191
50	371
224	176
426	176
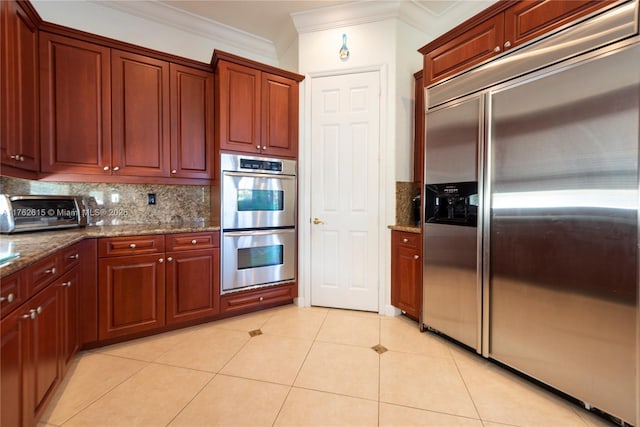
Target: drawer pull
33	313
405	240
169	259
194	241
416	257
66	284
496	49
161	260
132	246
507	44
261	299
51	271
174	171
76	256
8	298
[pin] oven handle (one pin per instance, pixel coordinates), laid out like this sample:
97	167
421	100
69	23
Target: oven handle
258	175
259	232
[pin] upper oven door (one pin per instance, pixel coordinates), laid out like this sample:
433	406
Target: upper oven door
257	200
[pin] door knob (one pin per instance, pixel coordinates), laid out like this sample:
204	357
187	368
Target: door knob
317	221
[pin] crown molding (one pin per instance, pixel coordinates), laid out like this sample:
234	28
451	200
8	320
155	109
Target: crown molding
231	38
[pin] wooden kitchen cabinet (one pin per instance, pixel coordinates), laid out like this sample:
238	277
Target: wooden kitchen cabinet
406	272
69	289
252	300
191	122
256	107
19	118
418	128
192	284
75	108
140	115
500	27
131	294
13	292
12	360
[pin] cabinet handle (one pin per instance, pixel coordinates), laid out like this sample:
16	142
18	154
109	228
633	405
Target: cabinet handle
258	146
507	44
8	298
169	259
66	284
76	256
116	168
496	49
161	260
264	147
405	240
132	246
14	157
261	299
416	257
174	171
21	158
106	168
194	241
51	271
32	313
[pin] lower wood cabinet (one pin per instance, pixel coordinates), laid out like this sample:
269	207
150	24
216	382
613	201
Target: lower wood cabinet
131	294
406	272
12	360
244	301
69	293
192	284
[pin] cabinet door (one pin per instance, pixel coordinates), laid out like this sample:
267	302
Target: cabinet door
69	288
140	112
12	359
75	107
279	116
193	284
470	48
238	108
528	19
20	148
131	294
7	80
43	371
406	280
191	122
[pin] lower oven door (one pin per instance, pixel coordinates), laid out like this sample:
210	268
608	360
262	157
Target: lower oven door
258	257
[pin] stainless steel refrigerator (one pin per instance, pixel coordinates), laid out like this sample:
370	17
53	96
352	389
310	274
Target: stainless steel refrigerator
547	283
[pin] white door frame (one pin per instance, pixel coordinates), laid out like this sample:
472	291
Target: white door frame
304	187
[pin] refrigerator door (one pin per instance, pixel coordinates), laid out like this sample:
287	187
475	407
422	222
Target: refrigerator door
563	241
451	278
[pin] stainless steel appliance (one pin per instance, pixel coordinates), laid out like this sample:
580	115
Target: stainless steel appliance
258	216
31	213
556	131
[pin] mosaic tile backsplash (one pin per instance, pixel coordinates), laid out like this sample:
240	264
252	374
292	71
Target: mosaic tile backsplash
114	204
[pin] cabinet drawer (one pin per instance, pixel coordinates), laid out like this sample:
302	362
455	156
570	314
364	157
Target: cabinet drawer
409	240
70	257
257	298
189	241
40	274
13	292
130	245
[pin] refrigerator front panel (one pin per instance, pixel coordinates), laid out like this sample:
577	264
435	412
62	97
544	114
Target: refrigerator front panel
451	301
563	261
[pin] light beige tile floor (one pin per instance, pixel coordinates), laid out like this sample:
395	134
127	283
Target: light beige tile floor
308	367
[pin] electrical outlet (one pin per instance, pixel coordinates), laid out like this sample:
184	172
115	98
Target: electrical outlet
151	198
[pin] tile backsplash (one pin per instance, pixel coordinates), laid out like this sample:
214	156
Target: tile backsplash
113	204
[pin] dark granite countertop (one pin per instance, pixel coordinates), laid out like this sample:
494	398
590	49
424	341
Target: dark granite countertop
407	228
34	246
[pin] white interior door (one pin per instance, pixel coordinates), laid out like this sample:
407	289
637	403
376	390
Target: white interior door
345	136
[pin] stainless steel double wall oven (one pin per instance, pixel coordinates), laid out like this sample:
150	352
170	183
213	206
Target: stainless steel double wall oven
258	218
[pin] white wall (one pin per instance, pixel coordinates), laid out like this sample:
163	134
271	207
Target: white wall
197	44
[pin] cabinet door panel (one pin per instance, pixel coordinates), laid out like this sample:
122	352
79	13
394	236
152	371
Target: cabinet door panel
528	19
131	295
239	107
140	115
12	359
191	122
193	284
471	48
279	115
69	288
45	340
406	280
75	108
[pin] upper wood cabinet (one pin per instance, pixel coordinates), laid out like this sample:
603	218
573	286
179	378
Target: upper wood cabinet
19	124
256	107
502	26
115	113
140	115
191	122
75	116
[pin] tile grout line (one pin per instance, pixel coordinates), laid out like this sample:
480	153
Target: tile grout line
192	399
466	387
298	373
